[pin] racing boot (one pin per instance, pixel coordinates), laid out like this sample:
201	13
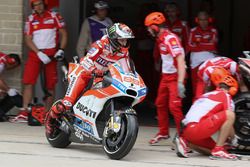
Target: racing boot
57	108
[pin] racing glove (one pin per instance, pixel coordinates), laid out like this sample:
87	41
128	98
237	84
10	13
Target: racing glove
43	57
181	90
59	55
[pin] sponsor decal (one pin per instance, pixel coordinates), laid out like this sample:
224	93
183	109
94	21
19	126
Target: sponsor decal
92	50
49	21
35	27
142	92
67	103
103	62
207	37
35	22
173	42
119	85
86	111
79	133
70	86
131	80
197	36
175	47
87	127
112	29
84	129
163	48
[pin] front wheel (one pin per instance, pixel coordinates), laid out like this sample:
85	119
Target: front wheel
119	144
242	121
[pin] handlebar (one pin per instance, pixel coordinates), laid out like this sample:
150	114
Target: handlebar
107	79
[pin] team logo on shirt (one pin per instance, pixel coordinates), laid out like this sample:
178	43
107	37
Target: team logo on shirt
35	26
174	43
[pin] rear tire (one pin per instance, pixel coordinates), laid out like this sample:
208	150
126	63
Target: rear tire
59	141
126	140
57	138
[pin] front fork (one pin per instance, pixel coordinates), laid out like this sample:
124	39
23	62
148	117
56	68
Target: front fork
115	118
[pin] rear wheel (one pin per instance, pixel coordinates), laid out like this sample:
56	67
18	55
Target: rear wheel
242	121
57	138
119	144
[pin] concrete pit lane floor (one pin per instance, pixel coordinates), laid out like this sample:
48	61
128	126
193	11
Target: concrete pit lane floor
26	146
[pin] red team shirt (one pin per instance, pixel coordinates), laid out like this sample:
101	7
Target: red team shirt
208	105
44	30
208	66
169	48
203	40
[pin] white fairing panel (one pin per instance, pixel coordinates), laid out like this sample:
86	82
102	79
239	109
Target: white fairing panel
87	108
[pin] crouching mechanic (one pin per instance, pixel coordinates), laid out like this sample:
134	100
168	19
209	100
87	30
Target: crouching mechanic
171	89
222	65
212	112
109	49
11	95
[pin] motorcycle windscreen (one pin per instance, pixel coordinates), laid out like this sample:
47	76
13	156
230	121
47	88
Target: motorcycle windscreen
127	65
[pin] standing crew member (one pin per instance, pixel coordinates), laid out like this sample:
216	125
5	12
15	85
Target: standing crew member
171	89
42	30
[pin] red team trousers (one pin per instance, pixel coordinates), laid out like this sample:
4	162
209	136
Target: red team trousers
168	101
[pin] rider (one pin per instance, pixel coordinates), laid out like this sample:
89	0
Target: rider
212	112
207	68
109	49
171	89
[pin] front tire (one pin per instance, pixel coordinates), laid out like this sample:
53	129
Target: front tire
119	146
242	121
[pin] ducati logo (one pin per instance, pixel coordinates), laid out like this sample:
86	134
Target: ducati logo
86	111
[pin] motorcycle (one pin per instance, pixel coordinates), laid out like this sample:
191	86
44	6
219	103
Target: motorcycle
242	108
104	113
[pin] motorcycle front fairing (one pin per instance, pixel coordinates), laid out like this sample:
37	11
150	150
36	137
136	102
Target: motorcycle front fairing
125	82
